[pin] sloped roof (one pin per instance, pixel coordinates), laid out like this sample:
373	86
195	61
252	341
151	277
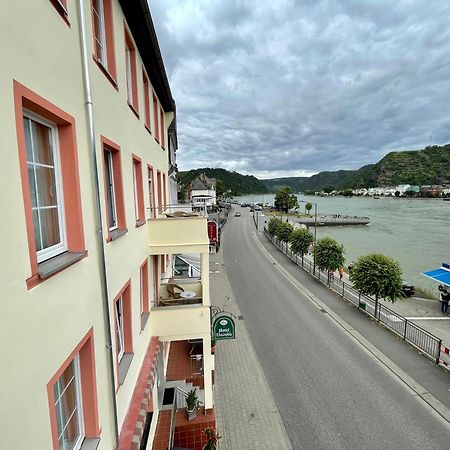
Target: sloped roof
139	20
203	182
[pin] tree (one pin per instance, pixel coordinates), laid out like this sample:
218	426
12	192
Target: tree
284	232
285	199
300	241
308	207
274	223
220	187
379	276
328	189
328	255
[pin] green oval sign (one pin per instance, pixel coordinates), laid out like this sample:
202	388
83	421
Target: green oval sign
224	328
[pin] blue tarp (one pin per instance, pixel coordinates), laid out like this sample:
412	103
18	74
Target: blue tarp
439	275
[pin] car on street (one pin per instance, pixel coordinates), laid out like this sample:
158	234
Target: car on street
237	214
408	289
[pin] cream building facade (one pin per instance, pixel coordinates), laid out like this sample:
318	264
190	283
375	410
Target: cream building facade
84	181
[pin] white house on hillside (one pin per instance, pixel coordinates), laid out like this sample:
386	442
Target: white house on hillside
202	191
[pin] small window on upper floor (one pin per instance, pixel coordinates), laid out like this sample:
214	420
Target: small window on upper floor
139	208
156	116
130	65
146	100
151	193
163	131
61	8
115	206
104	38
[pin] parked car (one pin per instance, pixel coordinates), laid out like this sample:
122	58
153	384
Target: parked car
408	289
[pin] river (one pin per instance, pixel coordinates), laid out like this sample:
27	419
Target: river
412	231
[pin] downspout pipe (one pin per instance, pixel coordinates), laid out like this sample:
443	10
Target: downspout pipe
99	227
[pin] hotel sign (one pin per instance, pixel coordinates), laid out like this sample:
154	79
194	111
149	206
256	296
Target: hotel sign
224	328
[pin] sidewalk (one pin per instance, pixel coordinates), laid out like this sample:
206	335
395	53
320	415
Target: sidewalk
246	413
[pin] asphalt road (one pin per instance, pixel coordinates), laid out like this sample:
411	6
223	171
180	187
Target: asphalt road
331	393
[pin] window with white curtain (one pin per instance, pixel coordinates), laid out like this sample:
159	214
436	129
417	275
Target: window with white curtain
44	177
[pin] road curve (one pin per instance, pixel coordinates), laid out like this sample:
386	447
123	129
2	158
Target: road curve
331	393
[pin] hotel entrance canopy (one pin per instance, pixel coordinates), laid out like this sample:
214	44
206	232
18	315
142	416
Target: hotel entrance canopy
441	275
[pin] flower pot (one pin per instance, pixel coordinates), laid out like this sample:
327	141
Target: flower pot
191	414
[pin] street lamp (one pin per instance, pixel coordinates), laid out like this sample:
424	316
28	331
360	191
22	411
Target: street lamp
315	231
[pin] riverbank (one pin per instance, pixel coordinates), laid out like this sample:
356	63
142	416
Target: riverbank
412	232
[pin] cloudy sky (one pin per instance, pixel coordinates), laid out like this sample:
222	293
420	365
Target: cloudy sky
294	87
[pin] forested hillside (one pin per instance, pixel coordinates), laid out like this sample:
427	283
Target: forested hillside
417	167
235	182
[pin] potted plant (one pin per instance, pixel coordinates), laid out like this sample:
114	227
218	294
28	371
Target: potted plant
212	437
191	404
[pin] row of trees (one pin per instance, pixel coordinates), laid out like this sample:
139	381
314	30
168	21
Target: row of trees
374	274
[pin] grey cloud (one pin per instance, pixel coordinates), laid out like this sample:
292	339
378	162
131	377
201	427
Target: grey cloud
303	86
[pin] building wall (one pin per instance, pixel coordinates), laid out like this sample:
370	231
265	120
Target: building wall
43	324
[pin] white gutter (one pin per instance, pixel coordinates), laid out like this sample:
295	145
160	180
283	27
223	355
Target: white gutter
98	216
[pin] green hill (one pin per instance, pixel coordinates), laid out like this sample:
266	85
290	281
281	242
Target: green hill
430	165
234	181
275	184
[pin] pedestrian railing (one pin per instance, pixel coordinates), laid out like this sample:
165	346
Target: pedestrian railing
429	344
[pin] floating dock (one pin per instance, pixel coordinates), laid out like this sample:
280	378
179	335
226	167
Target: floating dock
331	220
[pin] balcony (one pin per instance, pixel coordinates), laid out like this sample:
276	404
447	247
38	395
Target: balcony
177	229
180	291
182	309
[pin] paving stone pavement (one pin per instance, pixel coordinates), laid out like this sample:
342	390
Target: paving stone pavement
246	413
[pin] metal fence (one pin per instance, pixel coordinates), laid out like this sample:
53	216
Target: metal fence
415	335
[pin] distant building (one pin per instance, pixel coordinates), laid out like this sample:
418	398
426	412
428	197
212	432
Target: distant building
202	191
412	190
433	190
402	188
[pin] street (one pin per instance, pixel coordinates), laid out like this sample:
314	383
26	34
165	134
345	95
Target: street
330	391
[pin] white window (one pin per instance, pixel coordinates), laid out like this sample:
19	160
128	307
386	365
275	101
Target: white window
142	288
99	30
119	326
136	167
110	191
150	192
44	177
68	407
128	57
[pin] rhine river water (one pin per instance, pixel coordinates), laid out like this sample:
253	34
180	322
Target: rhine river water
415	232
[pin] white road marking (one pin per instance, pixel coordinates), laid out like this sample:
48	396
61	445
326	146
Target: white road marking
427	318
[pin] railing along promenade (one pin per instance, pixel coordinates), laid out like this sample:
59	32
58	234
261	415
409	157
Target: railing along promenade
429	344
